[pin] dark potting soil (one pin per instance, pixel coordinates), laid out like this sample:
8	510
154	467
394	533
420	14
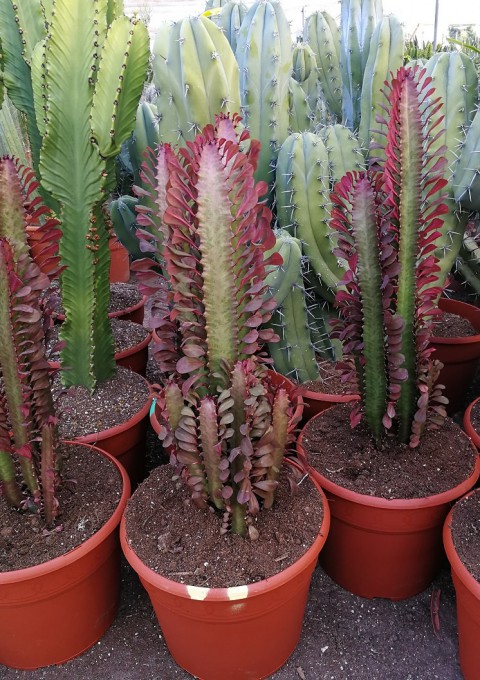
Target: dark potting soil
350	458
466	533
88	496
113	402
184	544
329	380
448	325
126	334
122	296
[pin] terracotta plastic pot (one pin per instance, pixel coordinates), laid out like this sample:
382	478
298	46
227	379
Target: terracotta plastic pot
277	379
134	358
316	402
54	611
468	425
125	442
467	591
119	262
268	614
384	548
459	356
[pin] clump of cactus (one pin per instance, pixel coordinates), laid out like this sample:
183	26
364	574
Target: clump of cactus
225	423
388	221
29	468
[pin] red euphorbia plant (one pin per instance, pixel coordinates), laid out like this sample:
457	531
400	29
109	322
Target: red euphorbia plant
388	220
28	432
223	420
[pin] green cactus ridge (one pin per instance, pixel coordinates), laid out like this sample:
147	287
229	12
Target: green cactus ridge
466	179
323	37
264	55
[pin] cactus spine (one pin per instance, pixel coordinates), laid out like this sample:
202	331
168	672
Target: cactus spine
466	180
105	67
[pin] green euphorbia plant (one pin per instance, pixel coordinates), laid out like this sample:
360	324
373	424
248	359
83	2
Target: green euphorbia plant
223	420
28	426
388	220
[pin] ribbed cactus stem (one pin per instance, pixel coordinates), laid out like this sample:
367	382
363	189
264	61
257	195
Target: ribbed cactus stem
280	439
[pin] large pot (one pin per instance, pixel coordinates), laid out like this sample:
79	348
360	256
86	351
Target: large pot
459	356
467	591
384	548
54	611
268	614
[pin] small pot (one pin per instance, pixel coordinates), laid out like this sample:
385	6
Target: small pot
384	548
459	356
54	611
218	621
468	425
316	402
277	379
467	592
134	313
125	442
119	262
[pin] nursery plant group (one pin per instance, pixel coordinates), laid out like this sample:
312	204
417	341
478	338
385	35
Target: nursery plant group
291	215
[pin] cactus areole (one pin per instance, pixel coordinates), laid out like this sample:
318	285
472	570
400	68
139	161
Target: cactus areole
388	221
225	422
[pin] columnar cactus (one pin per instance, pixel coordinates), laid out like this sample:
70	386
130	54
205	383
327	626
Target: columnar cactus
229	20
102	68
196	76
323	36
385	56
226	424
388	222
466	179
264	55
357	22
28	432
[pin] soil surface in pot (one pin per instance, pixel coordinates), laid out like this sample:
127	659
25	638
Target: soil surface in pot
183	543
113	402
126	334
88	496
448	325
466	533
329	380
350	458
122	296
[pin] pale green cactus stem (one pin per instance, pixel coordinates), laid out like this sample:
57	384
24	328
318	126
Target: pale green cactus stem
468	263
323	36
385	57
196	76
301	116
344	152
103	67
456	83
303	200
145	135
229	20
264	55
357	22
304	62
466	179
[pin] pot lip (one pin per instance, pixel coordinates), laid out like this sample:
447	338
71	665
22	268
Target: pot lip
95	437
330	398
392	503
234	593
123	354
456	564
39	570
59	317
468	425
450	304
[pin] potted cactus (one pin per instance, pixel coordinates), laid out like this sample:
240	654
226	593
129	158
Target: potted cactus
83	577
223	421
387	220
81	69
